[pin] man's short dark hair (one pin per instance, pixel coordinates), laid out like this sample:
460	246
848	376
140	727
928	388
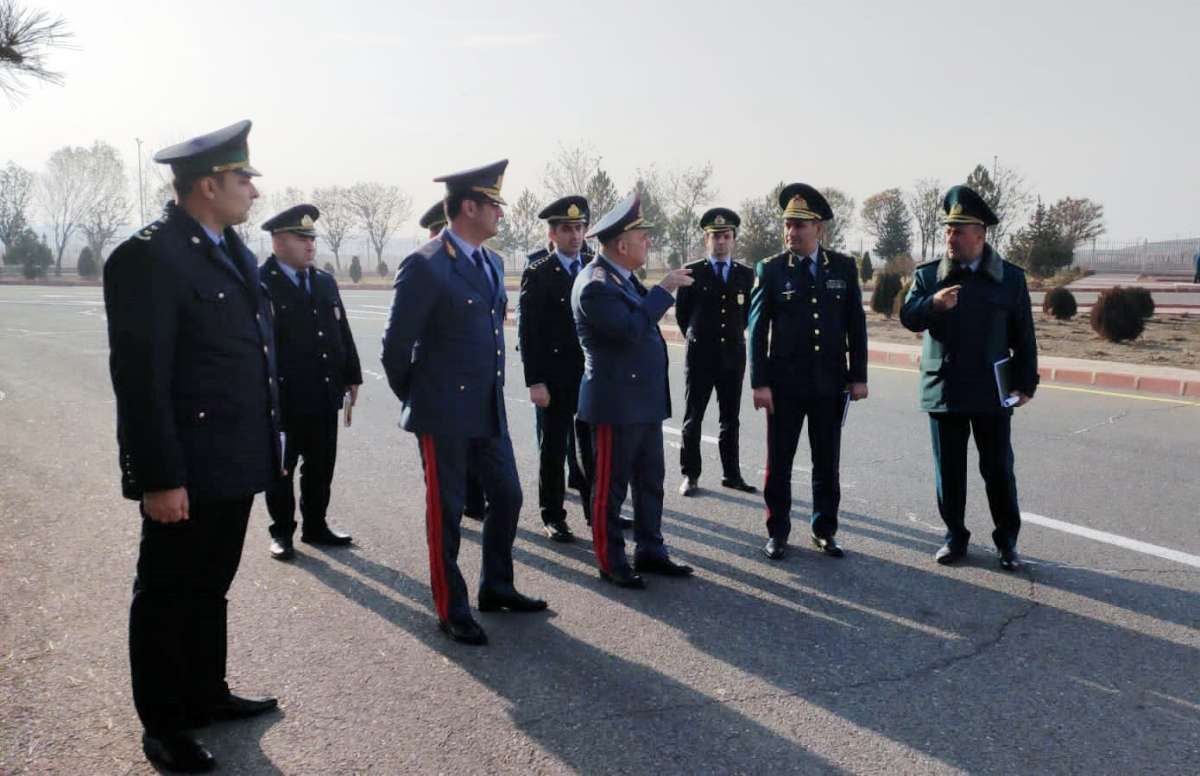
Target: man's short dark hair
184	183
453	202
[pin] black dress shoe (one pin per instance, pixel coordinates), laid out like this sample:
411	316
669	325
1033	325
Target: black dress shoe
326	536
828	546
775	550
626	523
949	554
232	707
739	484
624	577
688	487
282	549
178	752
513	602
464	632
1009	560
664	566
559	531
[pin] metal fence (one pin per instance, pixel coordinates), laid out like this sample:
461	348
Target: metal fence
1162	256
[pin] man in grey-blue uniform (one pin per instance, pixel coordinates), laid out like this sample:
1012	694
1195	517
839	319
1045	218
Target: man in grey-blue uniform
443	352
624	396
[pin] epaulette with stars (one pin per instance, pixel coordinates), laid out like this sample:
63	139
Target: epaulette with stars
147	232
539	262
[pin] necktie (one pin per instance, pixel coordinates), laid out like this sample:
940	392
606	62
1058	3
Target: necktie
304	282
574	268
637	286
235	260
484	269
723	267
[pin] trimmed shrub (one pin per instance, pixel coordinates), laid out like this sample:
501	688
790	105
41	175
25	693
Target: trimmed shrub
1117	316
355	270
329	268
865	270
1141	297
900	297
86	265
382	269
887	286
1060	303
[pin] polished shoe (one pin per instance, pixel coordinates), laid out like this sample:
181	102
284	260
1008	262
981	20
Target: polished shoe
559	531
828	546
327	537
739	484
178	752
624	577
948	554
513	602
626	523
1010	560
775	550
232	707
282	549
464	632
688	487
664	566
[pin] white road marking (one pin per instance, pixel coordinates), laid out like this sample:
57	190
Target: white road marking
1109	538
371	373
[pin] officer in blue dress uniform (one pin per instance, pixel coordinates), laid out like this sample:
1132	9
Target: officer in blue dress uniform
318	372
552	357
192	362
712	315
973	307
443	352
624	396
808	356
474	505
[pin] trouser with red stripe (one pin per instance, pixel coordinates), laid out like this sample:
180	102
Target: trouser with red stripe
446	460
624	456
824	441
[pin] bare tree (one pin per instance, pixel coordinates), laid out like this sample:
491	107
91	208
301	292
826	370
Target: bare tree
1079	220
16	190
337	219
380	210
836	230
875	209
521	229
110	204
570	171
280	201
248	230
26	37
64	195
1005	191
687	191
925	204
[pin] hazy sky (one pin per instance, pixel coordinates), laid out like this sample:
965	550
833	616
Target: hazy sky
1092	99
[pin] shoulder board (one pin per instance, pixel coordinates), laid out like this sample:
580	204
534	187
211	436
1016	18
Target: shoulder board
151	229
777	258
539	262
697	264
433	246
599	274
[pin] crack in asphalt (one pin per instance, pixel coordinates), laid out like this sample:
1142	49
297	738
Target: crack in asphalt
977	650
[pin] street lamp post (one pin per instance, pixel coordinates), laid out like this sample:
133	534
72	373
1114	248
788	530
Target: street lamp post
141	186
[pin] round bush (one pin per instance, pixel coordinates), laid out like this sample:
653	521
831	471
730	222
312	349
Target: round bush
1141	297
883	298
1060	303
1117	316
902	295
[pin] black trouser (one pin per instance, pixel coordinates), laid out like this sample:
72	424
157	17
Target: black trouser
578	454
627	455
993	440
314	439
447	460
825	442
557	428
473	501
177	625
697	389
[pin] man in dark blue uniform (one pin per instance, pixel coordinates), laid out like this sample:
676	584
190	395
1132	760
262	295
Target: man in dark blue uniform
808	356
974	310
443	351
553	358
712	314
624	396
474	504
318	372
193	370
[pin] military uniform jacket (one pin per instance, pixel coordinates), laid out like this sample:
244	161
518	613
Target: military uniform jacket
443	348
625	356
550	349
192	361
808	337
315	350
991	321
712	314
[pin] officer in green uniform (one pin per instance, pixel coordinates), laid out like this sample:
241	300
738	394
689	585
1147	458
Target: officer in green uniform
808	354
974	310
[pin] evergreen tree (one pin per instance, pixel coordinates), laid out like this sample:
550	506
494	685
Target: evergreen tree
1041	247
865	270
895	233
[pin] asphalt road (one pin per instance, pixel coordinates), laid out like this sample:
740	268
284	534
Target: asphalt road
1088	661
